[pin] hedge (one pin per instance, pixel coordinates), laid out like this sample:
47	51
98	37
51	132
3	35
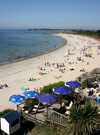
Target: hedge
48	88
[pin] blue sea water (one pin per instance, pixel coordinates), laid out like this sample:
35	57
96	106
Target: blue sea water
21	44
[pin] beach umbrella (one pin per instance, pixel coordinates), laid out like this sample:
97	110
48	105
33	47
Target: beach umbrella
17	99
47	99
73	84
62	90
31	94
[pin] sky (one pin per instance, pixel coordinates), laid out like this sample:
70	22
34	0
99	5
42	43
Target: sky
83	14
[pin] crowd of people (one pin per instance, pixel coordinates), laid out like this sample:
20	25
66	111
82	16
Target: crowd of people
71	58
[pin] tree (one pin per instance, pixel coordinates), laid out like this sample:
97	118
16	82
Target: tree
83	119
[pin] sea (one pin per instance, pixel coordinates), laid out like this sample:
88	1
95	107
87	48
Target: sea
21	44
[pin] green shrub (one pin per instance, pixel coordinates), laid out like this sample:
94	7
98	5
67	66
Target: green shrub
48	88
84	84
83	119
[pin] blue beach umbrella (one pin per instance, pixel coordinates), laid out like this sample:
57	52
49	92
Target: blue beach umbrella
31	94
47	99
62	90
73	84
17	99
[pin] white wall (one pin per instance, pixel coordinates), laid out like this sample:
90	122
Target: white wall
5	126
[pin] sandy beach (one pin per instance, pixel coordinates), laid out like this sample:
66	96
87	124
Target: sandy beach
80	54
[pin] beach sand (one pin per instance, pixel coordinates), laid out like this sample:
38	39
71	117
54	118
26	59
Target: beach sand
64	64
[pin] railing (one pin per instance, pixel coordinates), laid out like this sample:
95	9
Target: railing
56	118
52	117
33	118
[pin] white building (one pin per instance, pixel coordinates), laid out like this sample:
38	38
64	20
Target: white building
10	122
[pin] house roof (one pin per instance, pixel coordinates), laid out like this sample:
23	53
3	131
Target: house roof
12	116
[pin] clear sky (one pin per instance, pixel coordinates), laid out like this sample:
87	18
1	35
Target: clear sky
50	13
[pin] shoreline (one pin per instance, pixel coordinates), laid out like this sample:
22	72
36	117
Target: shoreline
34	56
70	55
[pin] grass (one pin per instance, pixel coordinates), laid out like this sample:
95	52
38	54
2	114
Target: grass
42	130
